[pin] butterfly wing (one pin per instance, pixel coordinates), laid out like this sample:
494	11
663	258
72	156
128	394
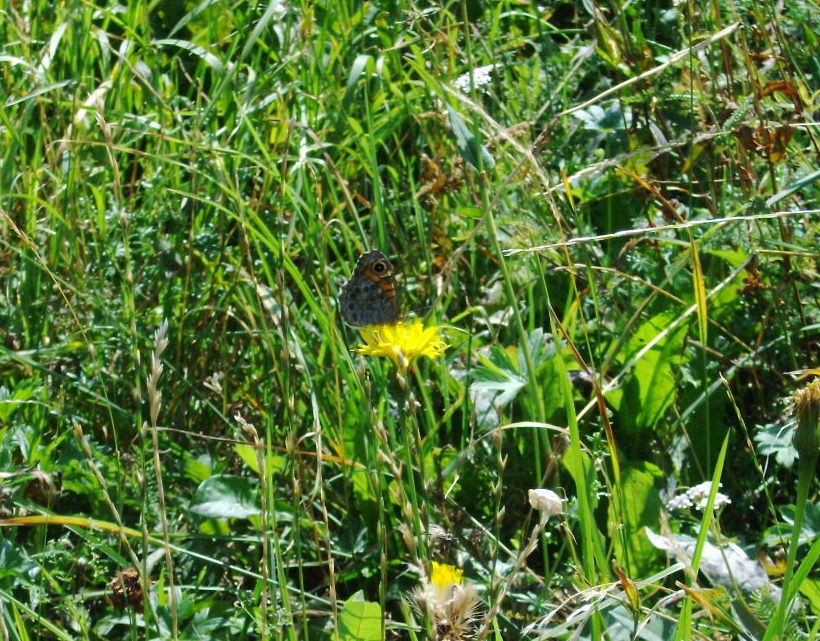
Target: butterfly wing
370	297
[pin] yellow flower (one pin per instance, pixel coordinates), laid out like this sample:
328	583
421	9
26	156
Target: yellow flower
402	343
444	576
448	603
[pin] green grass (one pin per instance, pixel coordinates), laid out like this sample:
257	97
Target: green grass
615	226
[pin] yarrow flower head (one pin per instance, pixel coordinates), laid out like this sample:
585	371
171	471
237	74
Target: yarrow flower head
697	497
480	76
402	343
447	600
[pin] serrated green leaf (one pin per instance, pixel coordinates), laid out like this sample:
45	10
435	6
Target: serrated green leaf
497	378
776	440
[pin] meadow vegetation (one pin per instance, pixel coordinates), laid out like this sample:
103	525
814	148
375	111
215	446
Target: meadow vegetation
607	211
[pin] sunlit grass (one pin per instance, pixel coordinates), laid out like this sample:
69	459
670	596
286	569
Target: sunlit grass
614	212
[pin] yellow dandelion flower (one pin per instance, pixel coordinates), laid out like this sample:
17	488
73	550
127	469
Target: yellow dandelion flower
402	343
448	602
444	576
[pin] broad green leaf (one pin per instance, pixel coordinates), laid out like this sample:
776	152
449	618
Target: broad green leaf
501	385
226	497
470	212
810	589
443	463
621	625
540	350
582	469
248	455
811	522
503	374
362	484
198	469
360	620
651	385
734	257
642	507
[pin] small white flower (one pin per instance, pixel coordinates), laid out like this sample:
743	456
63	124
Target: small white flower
480	77
214	382
697	497
679	502
700	496
546	501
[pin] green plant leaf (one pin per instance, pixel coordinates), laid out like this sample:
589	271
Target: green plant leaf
495	385
642	507
621	625
10	400
734	257
248	455
468	143
699	285
198	469
810	589
15	562
811	521
651	385
360	620
775	440
226	497
498	378
361	65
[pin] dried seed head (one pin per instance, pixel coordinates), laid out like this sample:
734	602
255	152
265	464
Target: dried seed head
807	410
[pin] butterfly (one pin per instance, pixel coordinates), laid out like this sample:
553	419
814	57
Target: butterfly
370	296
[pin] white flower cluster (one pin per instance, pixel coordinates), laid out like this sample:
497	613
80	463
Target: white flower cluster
481	76
697	497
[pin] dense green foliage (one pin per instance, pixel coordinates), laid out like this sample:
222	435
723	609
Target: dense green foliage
612	213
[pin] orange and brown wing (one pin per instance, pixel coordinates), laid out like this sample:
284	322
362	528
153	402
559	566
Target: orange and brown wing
370	297
380	272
